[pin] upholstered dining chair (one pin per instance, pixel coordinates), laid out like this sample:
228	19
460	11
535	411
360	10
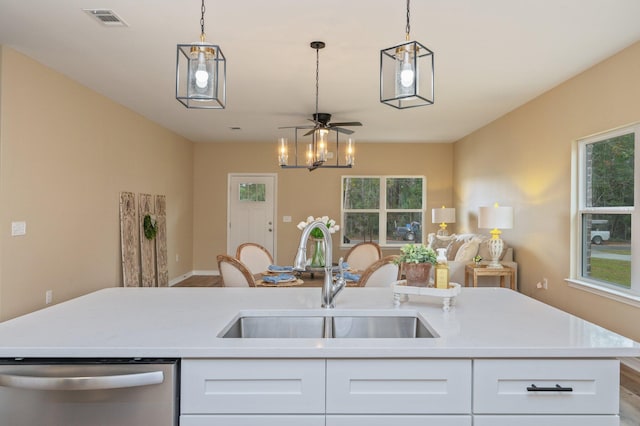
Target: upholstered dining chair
363	255
381	273
254	256
234	273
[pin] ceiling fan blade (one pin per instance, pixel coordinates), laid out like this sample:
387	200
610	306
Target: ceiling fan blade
341	130
297	127
309	132
349	123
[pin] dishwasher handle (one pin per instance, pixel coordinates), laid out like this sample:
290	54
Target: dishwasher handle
82	383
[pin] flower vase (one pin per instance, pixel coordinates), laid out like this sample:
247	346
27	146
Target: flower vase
317	257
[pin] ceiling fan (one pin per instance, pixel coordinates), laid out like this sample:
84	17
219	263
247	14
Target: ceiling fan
322	120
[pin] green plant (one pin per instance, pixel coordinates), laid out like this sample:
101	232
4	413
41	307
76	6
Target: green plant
150	227
417	253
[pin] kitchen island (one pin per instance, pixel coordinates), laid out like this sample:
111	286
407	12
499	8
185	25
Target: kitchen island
497	358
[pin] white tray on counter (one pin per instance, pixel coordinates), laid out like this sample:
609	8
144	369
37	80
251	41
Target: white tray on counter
401	292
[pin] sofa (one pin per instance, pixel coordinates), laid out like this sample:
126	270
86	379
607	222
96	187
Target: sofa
462	248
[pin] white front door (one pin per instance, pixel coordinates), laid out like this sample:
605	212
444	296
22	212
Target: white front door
251	211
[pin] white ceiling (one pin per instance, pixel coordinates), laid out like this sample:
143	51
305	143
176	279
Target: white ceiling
490	57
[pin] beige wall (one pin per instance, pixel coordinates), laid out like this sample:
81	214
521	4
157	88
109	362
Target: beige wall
524	160
302	193
65	154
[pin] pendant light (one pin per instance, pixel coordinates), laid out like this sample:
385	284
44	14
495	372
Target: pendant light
201	73
406	73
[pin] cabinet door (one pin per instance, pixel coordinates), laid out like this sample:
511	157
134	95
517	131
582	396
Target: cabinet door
546	421
398	386
398	420
267	386
252	420
528	386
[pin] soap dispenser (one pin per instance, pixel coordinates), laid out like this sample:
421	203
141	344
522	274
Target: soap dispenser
442	269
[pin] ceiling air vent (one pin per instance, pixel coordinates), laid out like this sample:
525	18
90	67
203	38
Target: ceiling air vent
106	17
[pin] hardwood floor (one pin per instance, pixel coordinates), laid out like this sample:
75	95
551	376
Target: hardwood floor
629	378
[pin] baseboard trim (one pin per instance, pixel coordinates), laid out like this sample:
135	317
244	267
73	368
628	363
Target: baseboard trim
178	280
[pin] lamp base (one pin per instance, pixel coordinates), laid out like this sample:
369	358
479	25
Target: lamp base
495	250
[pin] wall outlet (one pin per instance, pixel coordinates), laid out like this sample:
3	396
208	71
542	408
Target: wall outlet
286	219
543	285
18	228
48	297
177	257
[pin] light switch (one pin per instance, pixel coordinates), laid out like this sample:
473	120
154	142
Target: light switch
286	218
18	228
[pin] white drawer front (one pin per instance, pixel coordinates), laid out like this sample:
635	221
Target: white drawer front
546	421
398	420
399	386
252	386
500	386
252	420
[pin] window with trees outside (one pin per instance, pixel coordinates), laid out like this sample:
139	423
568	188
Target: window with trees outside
388	210
607	255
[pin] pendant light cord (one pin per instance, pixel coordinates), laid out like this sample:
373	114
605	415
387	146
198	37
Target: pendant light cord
408	27
317	79
202	19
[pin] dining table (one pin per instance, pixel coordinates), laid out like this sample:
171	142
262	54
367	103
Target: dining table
312	277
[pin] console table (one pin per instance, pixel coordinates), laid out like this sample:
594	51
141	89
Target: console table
475	271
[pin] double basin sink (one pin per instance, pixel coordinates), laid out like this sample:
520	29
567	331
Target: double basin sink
327	324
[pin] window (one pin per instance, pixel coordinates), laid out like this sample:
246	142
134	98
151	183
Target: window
252	192
606	256
386	209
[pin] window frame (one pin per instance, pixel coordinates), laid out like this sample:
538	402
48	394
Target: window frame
382	211
579	186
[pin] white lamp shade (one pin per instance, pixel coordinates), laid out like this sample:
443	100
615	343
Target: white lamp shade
443	215
495	217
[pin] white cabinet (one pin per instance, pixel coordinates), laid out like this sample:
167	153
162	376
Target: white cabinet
544	420
407	386
252	420
252	386
546	386
398	420
547	392
402	392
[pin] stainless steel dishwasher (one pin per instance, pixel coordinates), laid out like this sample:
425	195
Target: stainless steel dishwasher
97	392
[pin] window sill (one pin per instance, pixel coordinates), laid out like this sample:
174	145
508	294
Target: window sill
609	293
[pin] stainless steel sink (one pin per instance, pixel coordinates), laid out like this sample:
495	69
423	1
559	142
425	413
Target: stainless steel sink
277	327
382	327
328	325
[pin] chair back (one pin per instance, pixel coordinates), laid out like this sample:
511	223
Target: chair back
381	274
254	256
363	255
234	273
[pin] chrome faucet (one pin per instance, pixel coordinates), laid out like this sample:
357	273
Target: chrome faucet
329	289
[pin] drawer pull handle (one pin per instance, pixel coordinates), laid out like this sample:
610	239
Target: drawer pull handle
556	388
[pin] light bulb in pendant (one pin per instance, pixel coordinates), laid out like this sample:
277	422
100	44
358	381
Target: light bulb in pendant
201	74
407	74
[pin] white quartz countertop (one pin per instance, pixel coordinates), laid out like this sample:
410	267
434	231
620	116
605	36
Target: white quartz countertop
185	322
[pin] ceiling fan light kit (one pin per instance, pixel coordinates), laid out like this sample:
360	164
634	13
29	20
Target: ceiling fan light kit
323	132
201	73
407	73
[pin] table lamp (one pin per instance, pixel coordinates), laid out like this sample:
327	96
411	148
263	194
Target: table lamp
495	218
443	216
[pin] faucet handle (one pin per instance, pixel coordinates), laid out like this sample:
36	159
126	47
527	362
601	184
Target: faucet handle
340	267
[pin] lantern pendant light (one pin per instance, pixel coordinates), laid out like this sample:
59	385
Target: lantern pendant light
201	73
406	73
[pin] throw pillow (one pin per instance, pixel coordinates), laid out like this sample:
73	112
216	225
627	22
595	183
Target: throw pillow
453	248
439	241
467	251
